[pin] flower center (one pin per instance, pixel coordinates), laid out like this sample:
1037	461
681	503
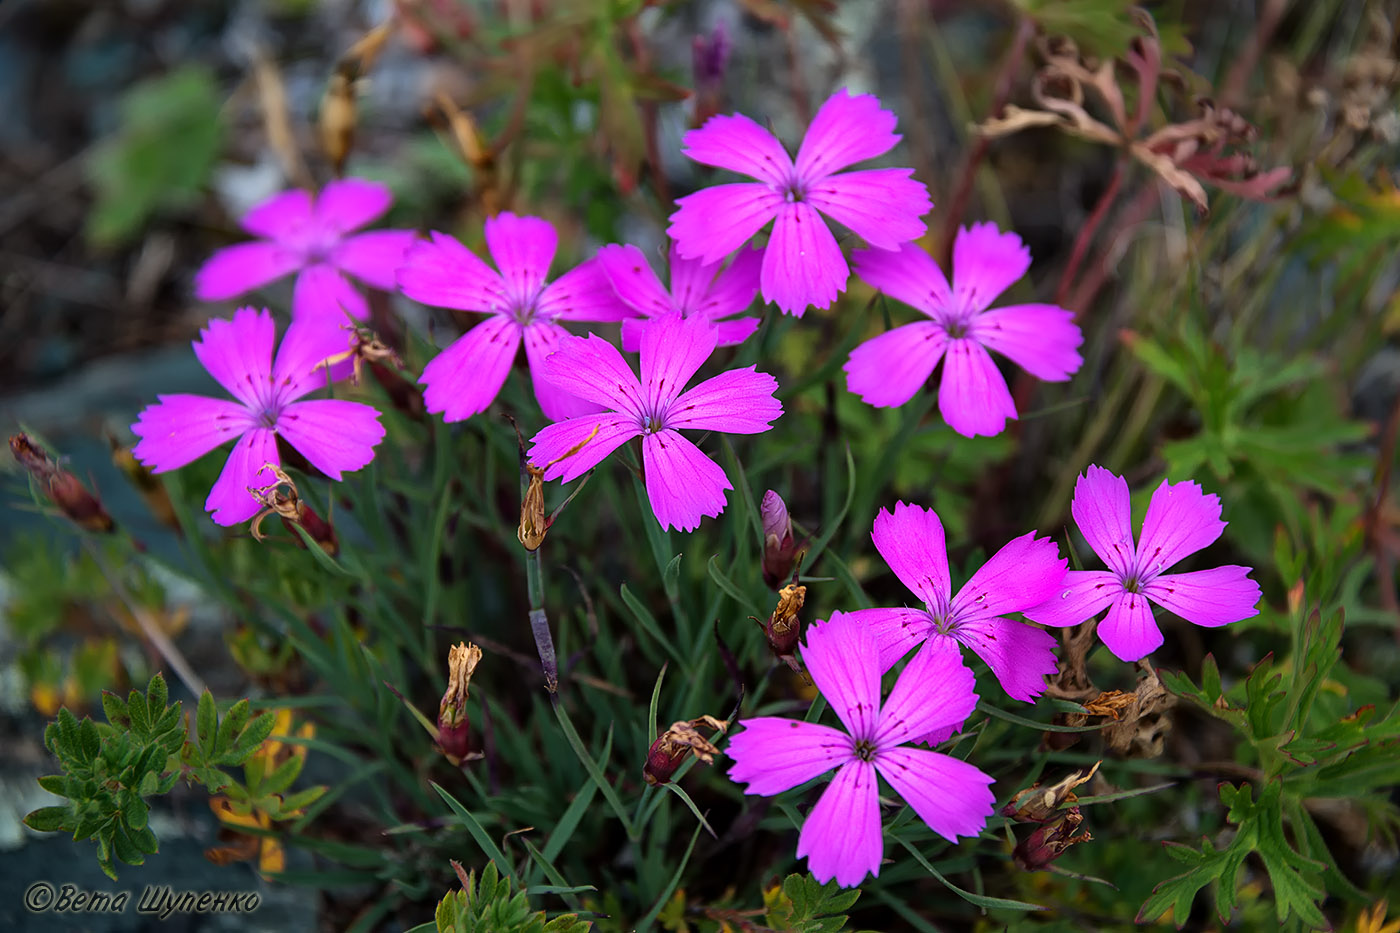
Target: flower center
653	424
865	750
1132	585
794	193
268	417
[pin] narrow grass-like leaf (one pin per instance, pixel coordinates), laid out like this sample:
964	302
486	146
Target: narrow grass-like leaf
483	839
981	900
591	766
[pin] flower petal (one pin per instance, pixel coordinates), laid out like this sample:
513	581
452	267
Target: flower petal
720	296
286	216
1212	597
1103	512
466	377
895	630
635	282
906	274
739	144
591	368
351	203
973	397
935	691
238	353
1025	572
841	837
739	401
881	206
1081	595
582	294
773	755
237	269
911	541
541	339
1041	339
715	221
986	262
299	367
444	273
323	294
335	435
846	129
229	501
682	483
1129	630
374	258
732	333
182	428
803	264
673	349
568	449
888	370
1181	519
844	662
523	248
1019	654
951	796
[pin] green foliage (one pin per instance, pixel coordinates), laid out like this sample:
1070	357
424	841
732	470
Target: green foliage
802	904
109	769
160	158
489	905
1296	880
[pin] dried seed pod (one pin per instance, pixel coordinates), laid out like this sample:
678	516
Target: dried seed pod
62	488
682	738
454	727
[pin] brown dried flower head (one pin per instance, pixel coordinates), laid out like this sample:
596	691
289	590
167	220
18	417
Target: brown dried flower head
454	727
671	747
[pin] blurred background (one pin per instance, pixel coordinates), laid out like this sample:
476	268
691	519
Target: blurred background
134	134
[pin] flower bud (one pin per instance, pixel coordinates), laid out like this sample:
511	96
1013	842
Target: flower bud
534	524
63	488
454	728
670	748
709	57
783	628
779	549
1049	841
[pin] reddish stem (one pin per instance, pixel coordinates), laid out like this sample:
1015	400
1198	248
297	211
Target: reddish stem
1086	234
1001	92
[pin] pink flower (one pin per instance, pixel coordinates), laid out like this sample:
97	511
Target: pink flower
1024	573
466	377
1180	520
802	264
682	483
310	235
696	291
1042	339
334	435
841	837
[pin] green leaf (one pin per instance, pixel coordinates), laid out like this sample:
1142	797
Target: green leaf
156	696
206	725
48	819
114	707
478	832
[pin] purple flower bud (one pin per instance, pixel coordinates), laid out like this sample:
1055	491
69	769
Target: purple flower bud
779	549
710	56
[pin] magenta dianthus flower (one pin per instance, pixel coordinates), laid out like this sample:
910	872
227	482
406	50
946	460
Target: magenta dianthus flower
1181	519
682	483
696	291
335	435
802	264
311	235
1022	574
841	837
888	370
466	377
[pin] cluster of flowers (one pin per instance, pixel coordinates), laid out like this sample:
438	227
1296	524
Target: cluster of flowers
598	402
933	696
583	384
